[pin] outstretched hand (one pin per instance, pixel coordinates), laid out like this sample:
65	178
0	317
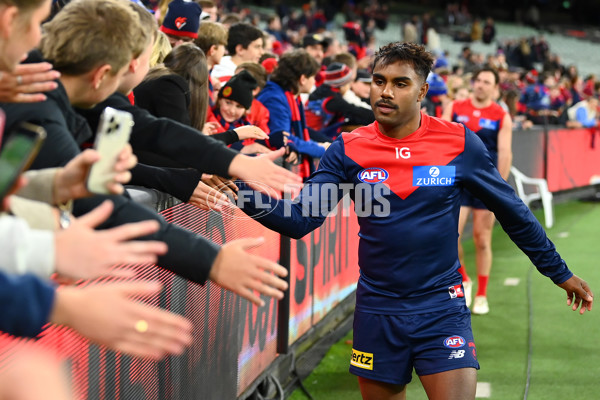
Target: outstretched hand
207	198
107	314
237	270
84	253
578	294
261	173
250	132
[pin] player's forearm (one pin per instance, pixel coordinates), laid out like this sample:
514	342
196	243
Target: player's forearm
504	163
290	218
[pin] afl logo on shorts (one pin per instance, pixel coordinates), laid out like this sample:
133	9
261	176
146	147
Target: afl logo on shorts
373	175
454	342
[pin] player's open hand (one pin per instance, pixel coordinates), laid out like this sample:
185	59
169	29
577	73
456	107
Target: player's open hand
578	294
261	173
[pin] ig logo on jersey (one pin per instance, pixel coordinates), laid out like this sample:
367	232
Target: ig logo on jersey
373	175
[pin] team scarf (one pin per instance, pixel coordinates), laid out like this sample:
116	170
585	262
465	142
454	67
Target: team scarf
298	129
229	125
211	91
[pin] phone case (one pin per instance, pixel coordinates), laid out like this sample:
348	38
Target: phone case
19	151
113	134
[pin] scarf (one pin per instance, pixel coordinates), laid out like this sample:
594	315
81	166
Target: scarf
298	126
299	129
211	91
229	125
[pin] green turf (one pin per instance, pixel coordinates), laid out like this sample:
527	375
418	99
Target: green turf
566	356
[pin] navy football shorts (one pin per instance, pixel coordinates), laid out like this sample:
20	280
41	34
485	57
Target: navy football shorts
468	200
386	348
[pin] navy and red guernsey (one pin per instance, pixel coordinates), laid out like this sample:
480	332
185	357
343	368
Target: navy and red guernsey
406	195
485	122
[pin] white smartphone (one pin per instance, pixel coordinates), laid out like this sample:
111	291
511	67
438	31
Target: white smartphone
112	136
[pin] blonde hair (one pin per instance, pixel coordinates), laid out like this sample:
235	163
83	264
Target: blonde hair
163	7
148	24
162	47
211	34
88	33
345	58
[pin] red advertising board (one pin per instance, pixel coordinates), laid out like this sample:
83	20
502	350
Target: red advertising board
324	270
573	158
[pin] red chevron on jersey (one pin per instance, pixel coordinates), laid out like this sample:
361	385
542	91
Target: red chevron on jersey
436	142
476	119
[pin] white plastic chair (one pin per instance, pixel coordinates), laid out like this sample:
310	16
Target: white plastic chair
542	194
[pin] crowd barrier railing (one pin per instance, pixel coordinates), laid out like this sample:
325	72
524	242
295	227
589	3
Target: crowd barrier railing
234	340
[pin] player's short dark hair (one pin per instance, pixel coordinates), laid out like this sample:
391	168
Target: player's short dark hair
487	68
244	34
411	53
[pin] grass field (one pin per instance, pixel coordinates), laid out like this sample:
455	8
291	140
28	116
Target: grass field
565	351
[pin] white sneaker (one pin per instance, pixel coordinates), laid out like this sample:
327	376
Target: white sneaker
467	288
480	305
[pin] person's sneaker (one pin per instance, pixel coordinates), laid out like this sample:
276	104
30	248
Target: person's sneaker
480	305
468	287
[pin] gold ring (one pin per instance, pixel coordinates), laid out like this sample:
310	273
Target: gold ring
19	79
141	326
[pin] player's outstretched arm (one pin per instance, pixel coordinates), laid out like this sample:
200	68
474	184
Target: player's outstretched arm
262	174
243	273
578	293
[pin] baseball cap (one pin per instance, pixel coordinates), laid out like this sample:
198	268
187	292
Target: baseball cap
313	39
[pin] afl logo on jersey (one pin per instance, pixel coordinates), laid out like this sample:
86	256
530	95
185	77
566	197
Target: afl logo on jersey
373	175
454	342
462	119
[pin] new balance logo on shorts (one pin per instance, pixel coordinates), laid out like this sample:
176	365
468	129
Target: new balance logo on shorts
362	360
456	354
